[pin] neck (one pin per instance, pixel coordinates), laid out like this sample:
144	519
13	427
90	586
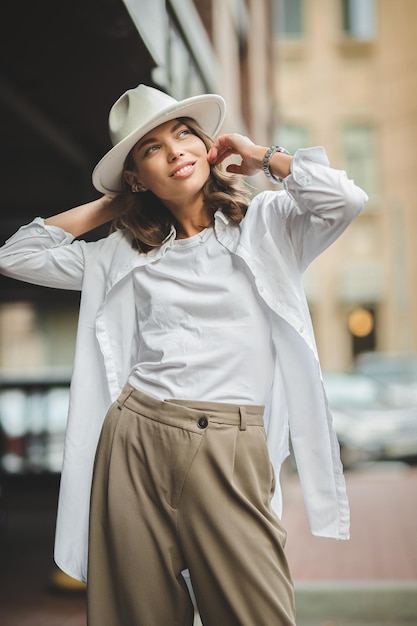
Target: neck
191	221
185	230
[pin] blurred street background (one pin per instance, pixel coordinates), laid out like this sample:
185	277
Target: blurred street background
369	580
296	73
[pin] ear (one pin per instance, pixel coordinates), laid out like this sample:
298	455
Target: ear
132	181
129	177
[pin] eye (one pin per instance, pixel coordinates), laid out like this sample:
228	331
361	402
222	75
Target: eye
150	149
184	132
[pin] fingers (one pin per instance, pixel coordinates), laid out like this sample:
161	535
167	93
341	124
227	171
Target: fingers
234	168
228	145
219	153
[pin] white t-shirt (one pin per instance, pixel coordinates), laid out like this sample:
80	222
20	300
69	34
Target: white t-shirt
204	332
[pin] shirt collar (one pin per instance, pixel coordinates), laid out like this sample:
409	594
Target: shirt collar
167	243
219	217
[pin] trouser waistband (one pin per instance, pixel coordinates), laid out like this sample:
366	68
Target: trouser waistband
241	415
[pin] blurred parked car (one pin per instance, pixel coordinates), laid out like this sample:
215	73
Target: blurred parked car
33	413
373	419
396	374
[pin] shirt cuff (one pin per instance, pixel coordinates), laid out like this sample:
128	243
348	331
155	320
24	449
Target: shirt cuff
302	166
38	227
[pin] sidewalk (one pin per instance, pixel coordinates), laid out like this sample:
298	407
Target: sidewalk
370	580
357	603
383	543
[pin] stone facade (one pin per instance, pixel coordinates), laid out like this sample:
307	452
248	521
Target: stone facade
351	87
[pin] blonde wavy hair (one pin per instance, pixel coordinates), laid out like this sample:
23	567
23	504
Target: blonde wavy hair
149	221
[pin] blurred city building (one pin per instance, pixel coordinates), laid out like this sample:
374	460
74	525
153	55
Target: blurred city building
338	73
346	78
63	66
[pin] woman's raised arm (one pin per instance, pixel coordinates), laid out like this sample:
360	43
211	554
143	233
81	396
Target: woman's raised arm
252	156
86	217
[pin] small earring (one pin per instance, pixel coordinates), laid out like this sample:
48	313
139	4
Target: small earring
138	187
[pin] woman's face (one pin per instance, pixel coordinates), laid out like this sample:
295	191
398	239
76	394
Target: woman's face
171	162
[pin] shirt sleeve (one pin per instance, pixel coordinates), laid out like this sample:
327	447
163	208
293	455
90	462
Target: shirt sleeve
44	255
321	203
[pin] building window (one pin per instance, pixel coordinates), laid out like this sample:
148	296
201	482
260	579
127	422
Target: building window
359	18
288	19
292	136
360	156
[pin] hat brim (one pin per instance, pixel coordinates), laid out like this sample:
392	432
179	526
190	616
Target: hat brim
208	110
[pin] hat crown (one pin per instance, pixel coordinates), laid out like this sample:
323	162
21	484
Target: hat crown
134	109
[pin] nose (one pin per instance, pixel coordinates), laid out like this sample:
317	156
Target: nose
174	152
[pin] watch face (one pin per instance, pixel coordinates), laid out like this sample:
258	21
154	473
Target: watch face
265	163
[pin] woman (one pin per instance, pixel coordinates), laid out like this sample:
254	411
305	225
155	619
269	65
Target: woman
195	339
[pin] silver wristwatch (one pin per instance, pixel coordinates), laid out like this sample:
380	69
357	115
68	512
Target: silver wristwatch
265	163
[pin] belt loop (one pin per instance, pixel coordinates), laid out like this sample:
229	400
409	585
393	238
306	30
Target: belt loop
242	411
124	395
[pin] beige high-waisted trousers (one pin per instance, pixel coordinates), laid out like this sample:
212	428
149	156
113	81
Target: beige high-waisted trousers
180	485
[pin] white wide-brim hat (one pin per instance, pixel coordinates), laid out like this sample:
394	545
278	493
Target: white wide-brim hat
140	110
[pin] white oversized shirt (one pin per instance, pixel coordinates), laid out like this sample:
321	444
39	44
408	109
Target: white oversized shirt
282	232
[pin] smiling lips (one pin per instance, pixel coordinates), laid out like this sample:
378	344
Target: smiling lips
183	170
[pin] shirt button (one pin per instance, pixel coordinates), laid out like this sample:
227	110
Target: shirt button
202	422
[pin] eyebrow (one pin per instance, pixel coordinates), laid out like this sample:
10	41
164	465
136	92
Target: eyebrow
155	139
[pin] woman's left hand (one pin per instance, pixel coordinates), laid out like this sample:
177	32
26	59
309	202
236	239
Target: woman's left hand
227	145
